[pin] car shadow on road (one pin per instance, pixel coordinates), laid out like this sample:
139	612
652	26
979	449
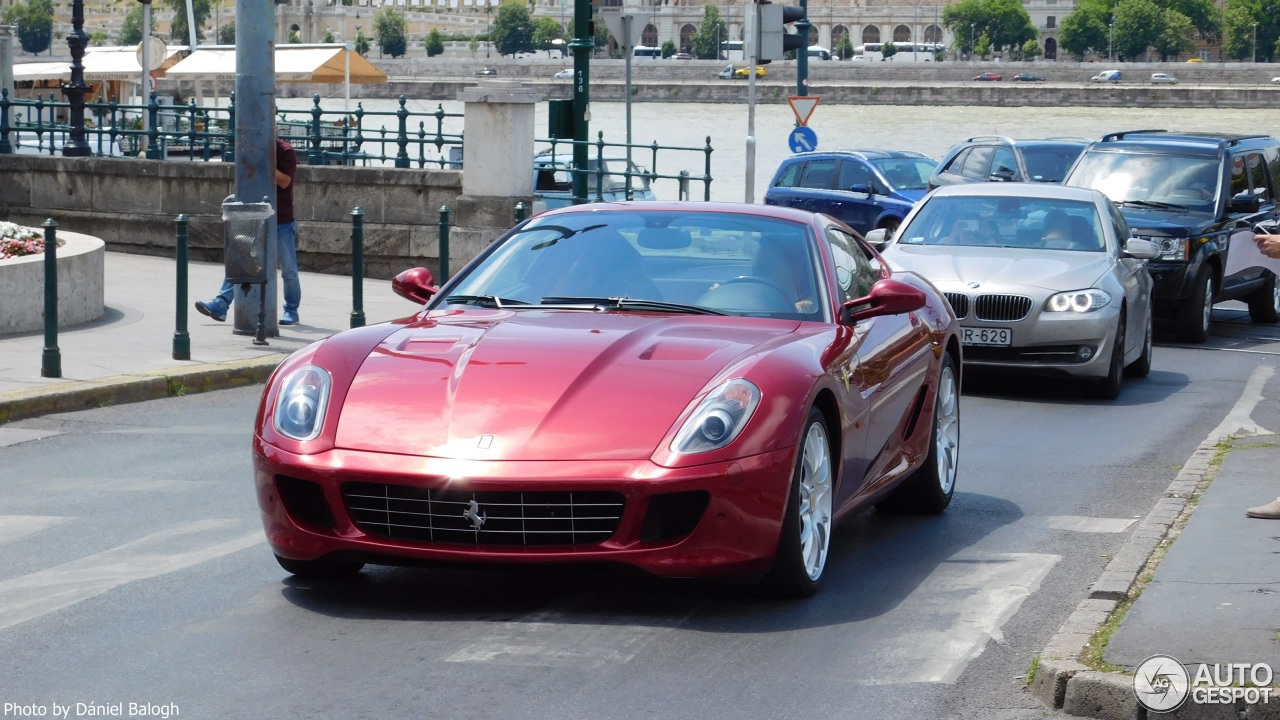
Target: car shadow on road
1154	388
877	560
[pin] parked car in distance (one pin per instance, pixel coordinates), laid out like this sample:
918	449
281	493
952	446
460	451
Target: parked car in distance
486	71
565	74
671	386
864	189
1111	76
731	73
1195	60
1275	81
1028	77
1189	192
996	158
553	180
683	56
1163	79
988	76
1044	279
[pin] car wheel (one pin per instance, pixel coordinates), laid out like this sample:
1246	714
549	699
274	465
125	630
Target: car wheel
1108	388
1264	303
327	569
1142	366
806	527
929	489
890	224
1195	313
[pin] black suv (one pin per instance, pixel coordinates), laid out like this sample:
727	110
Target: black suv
992	157
1189	193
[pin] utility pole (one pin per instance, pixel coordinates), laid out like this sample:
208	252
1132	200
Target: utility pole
1255	43
581	45
255	139
802	55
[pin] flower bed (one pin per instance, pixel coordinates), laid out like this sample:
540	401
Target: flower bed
18	240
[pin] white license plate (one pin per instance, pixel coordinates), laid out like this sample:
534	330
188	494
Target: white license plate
1002	337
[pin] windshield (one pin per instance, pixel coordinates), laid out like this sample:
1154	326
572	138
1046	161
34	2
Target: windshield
1050	163
732	263
1011	222
906	173
1183	183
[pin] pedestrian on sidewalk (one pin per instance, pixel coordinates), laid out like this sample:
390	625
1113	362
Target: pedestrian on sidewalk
286	244
1270	246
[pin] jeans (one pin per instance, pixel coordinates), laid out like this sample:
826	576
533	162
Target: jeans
287	260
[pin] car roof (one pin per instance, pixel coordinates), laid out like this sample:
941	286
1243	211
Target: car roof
869	154
1035	142
1018	189
1208	143
778	212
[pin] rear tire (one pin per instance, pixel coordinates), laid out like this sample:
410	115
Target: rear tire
929	489
1141	367
320	569
1264	303
1192	321
805	539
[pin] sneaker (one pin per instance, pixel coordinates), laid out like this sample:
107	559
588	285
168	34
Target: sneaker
289	318
210	309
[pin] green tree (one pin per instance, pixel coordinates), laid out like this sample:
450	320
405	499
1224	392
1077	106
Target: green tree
389	29
362	43
1031	50
131	28
1205	17
178	29
328	37
434	42
706	42
1138	27
601	39
34	21
227	33
473	44
668	48
294	37
888	50
1005	23
98	38
984	45
1177	35
512	31
1238	29
844	48
545	30
1085	29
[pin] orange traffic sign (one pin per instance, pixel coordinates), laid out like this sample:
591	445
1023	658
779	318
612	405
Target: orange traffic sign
803	107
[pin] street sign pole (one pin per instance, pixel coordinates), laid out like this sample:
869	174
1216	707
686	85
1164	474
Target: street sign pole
581	45
754	30
802	55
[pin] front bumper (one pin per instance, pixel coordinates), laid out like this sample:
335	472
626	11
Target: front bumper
737	533
1050	343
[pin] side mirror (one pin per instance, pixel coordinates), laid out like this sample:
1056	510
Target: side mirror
878	238
1245	203
1003	175
887	297
1140	249
415	284
862	188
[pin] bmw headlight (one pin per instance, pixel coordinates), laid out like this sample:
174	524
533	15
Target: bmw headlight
301	403
1079	301
718	418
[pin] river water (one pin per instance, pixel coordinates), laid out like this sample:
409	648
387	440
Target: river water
930	130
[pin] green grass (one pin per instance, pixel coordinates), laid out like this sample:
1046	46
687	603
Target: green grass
1031	674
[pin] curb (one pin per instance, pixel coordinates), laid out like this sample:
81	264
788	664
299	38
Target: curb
121	389
1063	683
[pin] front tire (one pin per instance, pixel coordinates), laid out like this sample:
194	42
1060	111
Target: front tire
320	569
1141	367
929	489
1193	318
1108	388
1264	303
805	540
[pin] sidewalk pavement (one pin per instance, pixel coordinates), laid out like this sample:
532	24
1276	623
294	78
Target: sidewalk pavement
126	356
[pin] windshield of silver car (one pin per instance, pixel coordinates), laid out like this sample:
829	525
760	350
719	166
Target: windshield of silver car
1007	222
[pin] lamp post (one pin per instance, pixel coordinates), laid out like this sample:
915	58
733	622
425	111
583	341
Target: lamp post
1255	42
75	90
1111	37
488	13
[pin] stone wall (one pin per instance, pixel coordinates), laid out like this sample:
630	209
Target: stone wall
132	204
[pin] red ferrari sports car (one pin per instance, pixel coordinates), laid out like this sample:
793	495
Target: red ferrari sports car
687	388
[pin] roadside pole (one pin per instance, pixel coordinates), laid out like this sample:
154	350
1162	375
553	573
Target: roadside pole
6	79
802	55
255	143
753	33
145	80
581	45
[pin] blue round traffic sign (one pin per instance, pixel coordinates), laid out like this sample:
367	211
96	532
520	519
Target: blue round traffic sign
802	139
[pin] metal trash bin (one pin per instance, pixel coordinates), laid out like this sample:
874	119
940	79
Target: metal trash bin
245	259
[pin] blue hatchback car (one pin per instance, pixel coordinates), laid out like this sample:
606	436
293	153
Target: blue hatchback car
864	189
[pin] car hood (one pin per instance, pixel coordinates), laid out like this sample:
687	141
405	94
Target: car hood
995	269
539	384
1173	223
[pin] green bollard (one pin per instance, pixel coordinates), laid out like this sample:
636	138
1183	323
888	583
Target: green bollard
51	359
522	212
444	245
357	268
181	339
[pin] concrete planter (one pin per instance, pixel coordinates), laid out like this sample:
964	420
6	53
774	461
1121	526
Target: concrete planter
80	270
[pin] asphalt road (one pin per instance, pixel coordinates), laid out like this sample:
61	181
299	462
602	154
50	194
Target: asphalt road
133	570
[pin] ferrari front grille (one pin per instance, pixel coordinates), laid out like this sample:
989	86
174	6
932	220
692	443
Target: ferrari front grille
959	304
483	518
1001	308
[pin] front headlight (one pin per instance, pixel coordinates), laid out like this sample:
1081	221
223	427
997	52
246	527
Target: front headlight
1080	301
1174	249
301	403
718	418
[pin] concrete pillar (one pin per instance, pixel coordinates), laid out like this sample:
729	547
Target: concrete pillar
498	115
6	59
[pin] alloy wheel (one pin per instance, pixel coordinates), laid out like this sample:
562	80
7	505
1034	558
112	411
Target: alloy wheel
815	501
947	436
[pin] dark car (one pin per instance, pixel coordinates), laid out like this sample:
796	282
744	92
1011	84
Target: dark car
1189	192
1028	77
487	72
866	189
991	157
989	76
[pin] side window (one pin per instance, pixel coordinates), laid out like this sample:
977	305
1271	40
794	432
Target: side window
1004	166
979	162
853	172
1257	168
854	272
957	162
791	177
821	174
1239	180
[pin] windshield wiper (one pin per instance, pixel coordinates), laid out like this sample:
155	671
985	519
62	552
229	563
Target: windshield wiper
1152	204
491	300
624	303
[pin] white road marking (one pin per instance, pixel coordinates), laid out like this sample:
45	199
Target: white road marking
975	595
1240	419
12	436
16	527
30	596
1077	523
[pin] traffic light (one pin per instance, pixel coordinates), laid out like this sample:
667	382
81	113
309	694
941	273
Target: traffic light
775	41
